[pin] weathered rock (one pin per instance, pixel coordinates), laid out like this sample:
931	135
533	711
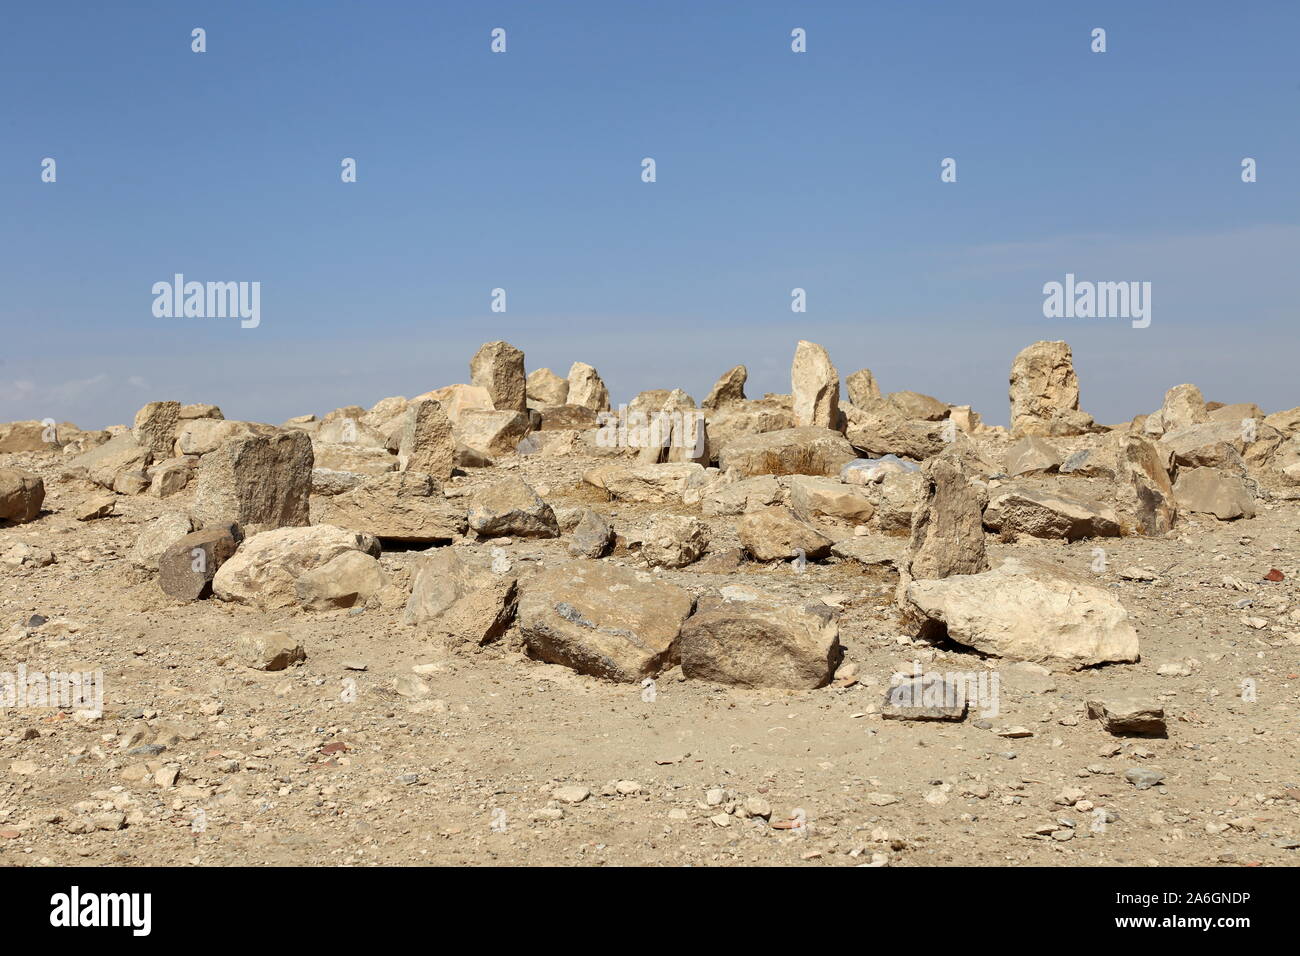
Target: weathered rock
97	506
927	697
200	436
198	410
884	431
872	549
269	651
870	471
21	495
188	565
102	463
566	417
402	506
1287	422
511	507
265	570
544	387
586	387
457	399
262	483
427	444
1129	716
1212	491
1027	610
947	531
793	451
647	483
499	368
603	620
729	389
462	596
491	433
157	536
1183	406
777	534
759	641
1143	486
897	498
37	436
1089	463
829	501
863	390
170	477
356	459
155	427
1215	444
1043	514
1031	454
673	541
1045	392
815	385
915	406
346	580
740	419
737	497
592	536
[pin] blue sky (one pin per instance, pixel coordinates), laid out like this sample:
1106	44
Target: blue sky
522	171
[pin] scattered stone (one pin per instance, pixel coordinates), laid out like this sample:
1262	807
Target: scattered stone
511	507
21	495
270	651
1129	716
761	643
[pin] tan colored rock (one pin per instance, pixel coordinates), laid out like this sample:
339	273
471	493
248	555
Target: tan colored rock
1027	610
38	436
729	389
741	419
103	463
201	436
544	387
155	427
346	580
357	459
603	620
1125	716
947	530
915	406
265	571
457	399
747	494
673	541
462	596
1143	486
1045	392
884	431
1212	491
1044	514
511	507
199	410
810	450
829	501
815	385
592	536
654	484
491	433
586	387
262	483
170	477
96	506
428	444
1031	454
499	368
761	642
406	506
1183	406
269	651
863	390
157	536
1287	422
21	495
777	534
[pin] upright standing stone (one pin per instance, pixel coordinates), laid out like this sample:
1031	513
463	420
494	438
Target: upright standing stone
586	388
427	443
947	529
499	367
262	482
1045	392
155	428
1144	488
816	387
863	390
728	390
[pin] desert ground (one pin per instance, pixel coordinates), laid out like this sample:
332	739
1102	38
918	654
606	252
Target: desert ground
489	626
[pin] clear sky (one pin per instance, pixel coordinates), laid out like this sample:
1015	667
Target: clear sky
522	171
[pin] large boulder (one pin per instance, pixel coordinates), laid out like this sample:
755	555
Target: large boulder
1045	392
157	536
815	386
511	507
586	387
462	596
740	419
345	580
916	406
947	530
544	387
200	436
405	506
1044	514
491	433
499	368
260	482
1212	491
120	455
809	450
265	571
155	427
829	501
728	390
777	534
653	484
1027	610
427	444
1143	488
673	541
1183	406
883	430
752	640
1031	454
747	494
188	565
21	495
603	620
